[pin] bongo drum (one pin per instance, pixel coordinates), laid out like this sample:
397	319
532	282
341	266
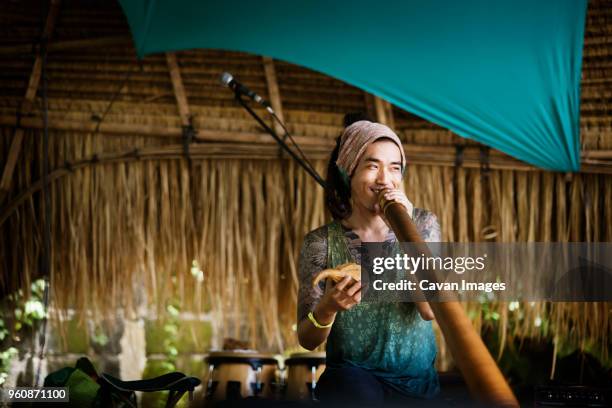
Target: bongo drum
303	372
234	375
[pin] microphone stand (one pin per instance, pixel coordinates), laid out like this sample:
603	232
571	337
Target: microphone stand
280	141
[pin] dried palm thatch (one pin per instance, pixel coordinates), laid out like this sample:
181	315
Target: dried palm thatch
128	232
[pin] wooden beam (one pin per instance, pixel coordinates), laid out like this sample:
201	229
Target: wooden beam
597	154
274	92
127	130
389	114
316	147
384	112
369	105
68	45
381	111
15	149
179	89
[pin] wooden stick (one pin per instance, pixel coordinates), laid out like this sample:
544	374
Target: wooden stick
381	112
316	147
370	108
274	92
68	45
15	149
597	154
156	131
179	90
389	114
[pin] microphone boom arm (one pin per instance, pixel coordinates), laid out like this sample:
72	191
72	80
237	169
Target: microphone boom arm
312	172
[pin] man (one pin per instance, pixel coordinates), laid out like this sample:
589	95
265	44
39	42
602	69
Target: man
376	353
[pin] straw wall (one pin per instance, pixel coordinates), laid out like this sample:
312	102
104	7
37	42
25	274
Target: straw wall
126	229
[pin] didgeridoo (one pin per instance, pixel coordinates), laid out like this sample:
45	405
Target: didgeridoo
482	376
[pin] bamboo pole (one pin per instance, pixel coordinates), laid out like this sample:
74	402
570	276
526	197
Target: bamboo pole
203	135
11	161
274	92
316	147
442	155
389	114
68	45
179	89
597	154
381	111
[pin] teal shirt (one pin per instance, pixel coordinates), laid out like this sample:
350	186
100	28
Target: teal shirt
390	340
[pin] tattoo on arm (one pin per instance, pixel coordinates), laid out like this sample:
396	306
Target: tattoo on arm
428	226
313	258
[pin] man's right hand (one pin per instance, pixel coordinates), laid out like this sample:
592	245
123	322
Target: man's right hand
337	297
341	296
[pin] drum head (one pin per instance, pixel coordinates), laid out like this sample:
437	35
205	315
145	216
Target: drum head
311	359
249	357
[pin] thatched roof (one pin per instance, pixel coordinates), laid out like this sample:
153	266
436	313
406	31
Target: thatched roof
92	63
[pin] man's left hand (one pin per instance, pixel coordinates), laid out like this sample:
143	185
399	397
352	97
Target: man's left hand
399	197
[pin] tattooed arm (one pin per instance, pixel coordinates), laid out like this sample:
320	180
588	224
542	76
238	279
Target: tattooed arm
429	229
313	258
325	302
427	224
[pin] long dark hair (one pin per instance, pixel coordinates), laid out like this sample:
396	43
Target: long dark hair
337	192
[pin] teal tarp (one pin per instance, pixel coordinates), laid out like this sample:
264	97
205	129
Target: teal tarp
503	72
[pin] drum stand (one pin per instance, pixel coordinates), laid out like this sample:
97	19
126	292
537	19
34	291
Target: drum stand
257	386
313	384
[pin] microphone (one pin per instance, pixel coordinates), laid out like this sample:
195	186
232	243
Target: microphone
228	80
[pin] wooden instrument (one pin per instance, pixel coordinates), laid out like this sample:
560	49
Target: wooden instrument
303	372
233	375
482	376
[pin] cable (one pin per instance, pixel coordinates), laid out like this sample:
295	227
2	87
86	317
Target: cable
46	258
100	119
284	145
287	134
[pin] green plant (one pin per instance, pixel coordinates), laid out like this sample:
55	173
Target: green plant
26	315
6	356
99	337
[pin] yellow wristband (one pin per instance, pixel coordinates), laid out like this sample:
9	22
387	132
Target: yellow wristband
317	324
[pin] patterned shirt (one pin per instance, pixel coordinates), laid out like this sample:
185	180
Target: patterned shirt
388	339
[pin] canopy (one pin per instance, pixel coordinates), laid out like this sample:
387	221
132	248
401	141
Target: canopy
505	73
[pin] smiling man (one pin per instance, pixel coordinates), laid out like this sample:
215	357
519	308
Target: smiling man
377	353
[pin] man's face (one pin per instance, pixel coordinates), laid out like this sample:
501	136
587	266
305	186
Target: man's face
380	167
